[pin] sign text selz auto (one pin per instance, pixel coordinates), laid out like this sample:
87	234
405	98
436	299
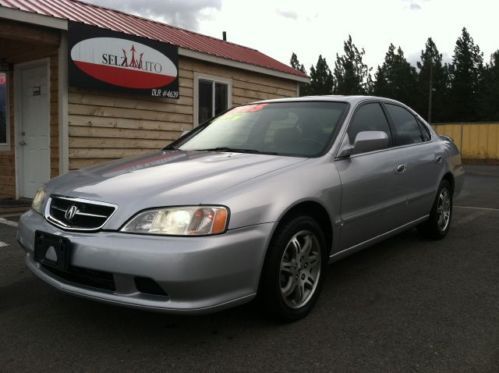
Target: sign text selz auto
107	60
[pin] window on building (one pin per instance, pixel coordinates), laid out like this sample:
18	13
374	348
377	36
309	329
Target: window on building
3	108
213	98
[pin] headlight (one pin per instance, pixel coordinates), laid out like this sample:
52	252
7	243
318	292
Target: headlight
39	200
180	221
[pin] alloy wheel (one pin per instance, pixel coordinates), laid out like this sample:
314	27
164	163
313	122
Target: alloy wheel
300	269
443	209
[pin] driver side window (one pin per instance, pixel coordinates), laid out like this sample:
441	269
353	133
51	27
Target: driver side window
369	117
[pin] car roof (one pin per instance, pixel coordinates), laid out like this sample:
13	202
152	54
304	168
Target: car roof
337	98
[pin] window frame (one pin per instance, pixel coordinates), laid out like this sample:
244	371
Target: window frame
390	128
6	145
424	128
214	79
394	127
391	145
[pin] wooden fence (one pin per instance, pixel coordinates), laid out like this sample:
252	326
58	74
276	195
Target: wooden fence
476	141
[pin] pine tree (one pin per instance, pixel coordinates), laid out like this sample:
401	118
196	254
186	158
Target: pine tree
396	78
295	64
466	74
321	78
489	90
351	74
433	83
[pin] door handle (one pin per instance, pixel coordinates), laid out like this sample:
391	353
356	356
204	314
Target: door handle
438	158
22	143
400	168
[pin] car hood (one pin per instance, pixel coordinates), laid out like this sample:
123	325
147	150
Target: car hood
164	178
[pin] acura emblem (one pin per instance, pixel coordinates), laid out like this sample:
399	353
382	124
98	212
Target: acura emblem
71	212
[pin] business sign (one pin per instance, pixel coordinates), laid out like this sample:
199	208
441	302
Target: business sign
107	60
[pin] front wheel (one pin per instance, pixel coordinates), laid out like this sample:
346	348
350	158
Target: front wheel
294	269
438	224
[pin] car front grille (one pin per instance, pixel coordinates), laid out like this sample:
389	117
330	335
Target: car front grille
77	214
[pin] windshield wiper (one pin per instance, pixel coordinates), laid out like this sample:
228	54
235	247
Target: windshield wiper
235	150
170	147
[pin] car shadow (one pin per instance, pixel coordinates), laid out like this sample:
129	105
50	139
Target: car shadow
71	310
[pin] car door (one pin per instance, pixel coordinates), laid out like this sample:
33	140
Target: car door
421	159
372	197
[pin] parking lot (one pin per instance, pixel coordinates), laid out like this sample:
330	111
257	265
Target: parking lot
403	305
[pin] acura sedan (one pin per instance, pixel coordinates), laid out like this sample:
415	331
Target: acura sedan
255	202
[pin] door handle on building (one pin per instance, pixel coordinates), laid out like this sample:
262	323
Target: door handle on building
22	143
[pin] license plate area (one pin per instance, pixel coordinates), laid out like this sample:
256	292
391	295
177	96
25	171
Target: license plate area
52	251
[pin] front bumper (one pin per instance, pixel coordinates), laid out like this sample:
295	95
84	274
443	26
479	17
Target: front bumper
198	274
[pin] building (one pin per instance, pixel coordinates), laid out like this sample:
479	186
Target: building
81	84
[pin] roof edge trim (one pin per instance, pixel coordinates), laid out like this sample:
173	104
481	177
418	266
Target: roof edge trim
62	24
33	18
240	65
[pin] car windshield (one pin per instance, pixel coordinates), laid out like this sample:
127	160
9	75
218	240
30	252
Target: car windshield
303	129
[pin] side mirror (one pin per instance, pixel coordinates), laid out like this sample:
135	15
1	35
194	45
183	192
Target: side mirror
365	141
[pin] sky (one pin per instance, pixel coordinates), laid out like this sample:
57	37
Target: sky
313	27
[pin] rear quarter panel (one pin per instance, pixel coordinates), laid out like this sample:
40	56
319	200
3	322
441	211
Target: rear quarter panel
454	164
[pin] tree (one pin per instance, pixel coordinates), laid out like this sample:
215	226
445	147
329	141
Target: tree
466	74
295	64
489	90
396	78
351	74
321	79
433	81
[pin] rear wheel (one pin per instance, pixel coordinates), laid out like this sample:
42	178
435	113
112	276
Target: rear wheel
438	224
294	269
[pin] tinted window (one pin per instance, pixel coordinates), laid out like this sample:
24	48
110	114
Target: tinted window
424	131
369	117
406	127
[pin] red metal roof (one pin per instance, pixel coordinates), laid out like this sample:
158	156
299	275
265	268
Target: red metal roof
78	11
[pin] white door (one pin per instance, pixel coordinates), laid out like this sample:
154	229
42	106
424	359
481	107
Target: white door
33	132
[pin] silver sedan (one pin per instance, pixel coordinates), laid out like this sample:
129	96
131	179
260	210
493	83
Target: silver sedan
256	201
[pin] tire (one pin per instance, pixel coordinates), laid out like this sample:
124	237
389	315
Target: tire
438	224
294	269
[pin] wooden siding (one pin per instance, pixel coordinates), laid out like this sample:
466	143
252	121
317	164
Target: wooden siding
105	126
12	33
7	157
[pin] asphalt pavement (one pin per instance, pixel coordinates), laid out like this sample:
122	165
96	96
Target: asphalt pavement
405	305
